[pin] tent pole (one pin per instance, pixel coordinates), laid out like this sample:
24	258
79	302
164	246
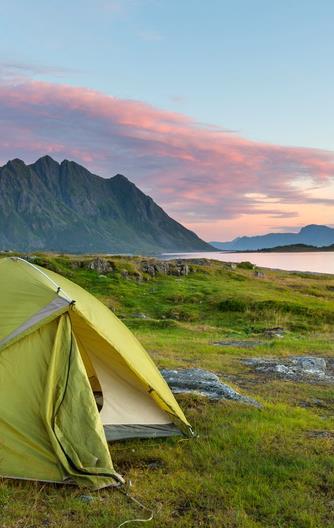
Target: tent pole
58	288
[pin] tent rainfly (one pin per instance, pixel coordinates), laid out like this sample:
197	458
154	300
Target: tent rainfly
72	378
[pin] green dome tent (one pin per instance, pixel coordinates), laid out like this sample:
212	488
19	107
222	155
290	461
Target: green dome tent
59	346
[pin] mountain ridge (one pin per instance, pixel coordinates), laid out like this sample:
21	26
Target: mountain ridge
55	206
312	234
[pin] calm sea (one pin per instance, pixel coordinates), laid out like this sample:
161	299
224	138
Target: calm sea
320	262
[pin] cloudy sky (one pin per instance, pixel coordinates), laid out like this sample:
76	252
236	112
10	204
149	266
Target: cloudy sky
221	111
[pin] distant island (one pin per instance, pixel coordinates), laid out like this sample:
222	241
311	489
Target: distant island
317	236
293	248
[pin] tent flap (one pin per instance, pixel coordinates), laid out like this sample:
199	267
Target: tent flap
71	416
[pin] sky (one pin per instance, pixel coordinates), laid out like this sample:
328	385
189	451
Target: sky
222	111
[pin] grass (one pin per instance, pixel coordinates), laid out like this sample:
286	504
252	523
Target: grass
247	468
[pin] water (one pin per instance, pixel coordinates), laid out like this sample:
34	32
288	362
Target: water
319	262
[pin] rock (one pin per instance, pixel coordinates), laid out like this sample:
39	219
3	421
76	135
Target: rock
282	369
203	382
321	434
182	268
161	267
171	267
155	463
314	402
148	268
311	365
30	258
86	498
139	316
199	261
276	331
137	276
239	344
101	266
298	368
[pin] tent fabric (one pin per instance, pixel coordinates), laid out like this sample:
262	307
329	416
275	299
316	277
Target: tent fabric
56	306
58	344
69	410
49	424
25	447
24	292
88	313
125	398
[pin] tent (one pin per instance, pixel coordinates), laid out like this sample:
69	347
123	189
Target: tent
72	378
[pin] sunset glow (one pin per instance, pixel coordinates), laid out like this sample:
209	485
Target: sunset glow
223	141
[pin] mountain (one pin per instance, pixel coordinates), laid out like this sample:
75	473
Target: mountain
63	207
314	235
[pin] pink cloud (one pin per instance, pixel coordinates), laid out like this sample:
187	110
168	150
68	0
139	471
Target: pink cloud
188	168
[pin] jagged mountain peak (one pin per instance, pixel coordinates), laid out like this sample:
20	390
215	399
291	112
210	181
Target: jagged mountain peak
120	178
64	207
14	164
46	159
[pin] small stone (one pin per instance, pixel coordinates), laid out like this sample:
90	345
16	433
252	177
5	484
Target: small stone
239	344
277	331
86	498
282	369
139	316
155	463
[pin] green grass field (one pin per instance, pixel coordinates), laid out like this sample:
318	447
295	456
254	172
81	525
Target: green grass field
247	467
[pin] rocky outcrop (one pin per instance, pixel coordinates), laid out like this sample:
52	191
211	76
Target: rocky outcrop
151	267
101	266
203	382
161	267
298	368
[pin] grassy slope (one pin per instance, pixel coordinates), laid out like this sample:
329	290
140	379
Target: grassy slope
248	468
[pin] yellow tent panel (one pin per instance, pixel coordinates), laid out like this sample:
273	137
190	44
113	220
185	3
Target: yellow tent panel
72	377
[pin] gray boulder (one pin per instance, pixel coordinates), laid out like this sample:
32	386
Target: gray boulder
101	266
203	382
298	368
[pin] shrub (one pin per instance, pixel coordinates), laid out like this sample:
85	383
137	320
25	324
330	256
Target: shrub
246	265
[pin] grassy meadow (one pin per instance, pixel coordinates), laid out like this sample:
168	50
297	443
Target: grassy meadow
246	467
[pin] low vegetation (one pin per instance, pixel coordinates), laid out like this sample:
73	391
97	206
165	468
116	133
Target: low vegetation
247	467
